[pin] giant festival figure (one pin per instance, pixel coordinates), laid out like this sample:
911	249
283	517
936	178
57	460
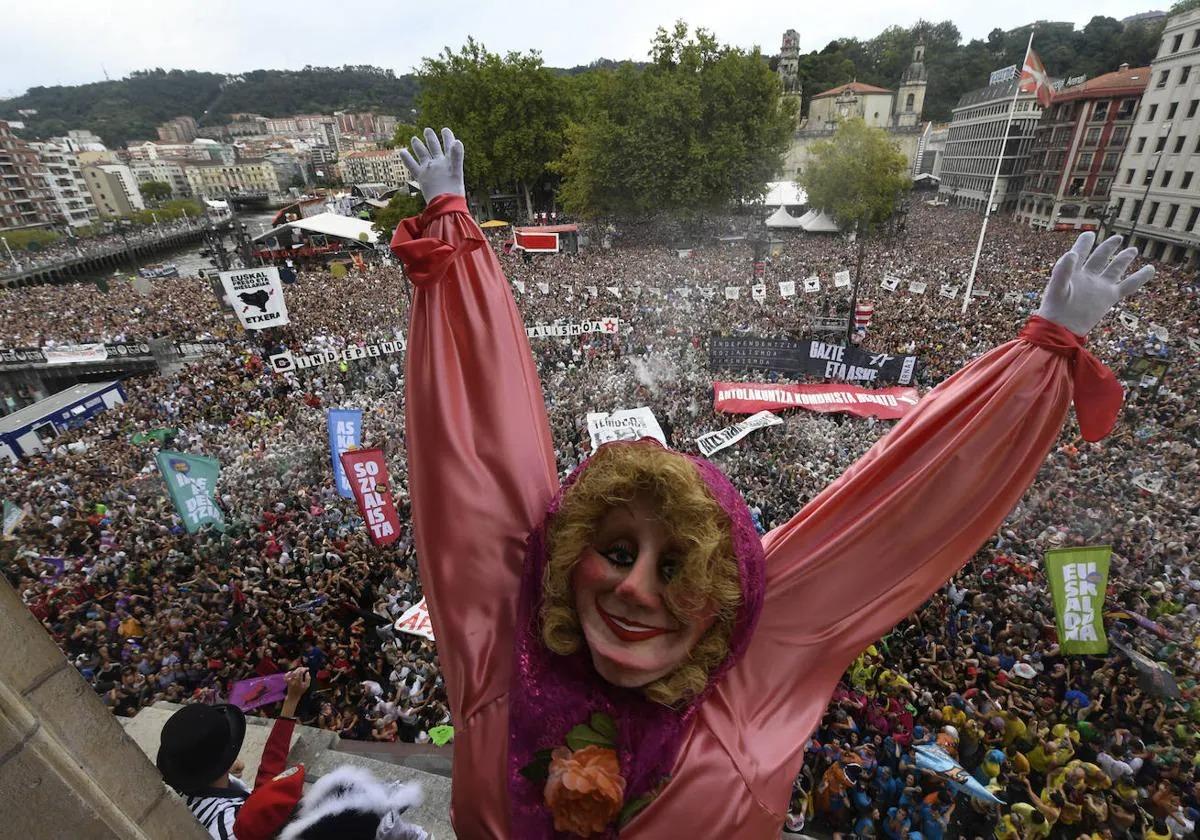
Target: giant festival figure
623	654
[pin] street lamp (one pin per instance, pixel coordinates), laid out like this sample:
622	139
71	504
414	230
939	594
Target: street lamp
157	229
1164	134
11	258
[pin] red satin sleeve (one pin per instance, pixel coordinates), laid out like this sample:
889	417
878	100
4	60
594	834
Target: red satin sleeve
480	458
882	538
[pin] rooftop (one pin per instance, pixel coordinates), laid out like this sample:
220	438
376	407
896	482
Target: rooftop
1125	80
852	87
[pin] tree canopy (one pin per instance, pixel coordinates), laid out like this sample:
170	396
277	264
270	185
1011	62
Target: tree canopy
701	127
856	176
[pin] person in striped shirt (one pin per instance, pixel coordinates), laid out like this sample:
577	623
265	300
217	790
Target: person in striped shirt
199	749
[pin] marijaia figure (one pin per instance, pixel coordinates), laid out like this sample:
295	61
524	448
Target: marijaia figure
623	653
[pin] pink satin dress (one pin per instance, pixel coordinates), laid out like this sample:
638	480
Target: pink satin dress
855	561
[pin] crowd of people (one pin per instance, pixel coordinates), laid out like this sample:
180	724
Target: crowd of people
1072	745
70	247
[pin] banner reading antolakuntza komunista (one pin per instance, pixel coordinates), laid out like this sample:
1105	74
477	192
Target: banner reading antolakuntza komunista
256	295
808	358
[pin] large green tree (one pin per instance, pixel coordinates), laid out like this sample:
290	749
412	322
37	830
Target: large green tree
857	176
155	190
510	112
702	127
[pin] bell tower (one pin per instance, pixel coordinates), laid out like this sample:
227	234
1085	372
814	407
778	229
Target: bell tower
789	69
910	97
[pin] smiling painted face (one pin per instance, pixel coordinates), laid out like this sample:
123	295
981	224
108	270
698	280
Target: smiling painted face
619	588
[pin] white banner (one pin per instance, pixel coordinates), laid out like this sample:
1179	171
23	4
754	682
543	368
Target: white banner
684	253
519	285
544	288
917	287
70	354
732	293
787	288
613	290
593	291
609	325
285	361
1130	321
889	283
980	293
256	295
812	284
758	292
1159	332
627	424
683	291
948	291
1149	483
1012	297
716	441
708	292
415	621
841	280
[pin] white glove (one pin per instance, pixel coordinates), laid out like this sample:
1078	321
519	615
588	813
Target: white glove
1083	288
437	172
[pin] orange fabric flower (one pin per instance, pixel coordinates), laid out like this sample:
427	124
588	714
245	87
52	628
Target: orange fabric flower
584	790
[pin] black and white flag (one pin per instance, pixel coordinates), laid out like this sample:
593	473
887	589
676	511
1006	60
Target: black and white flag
256	295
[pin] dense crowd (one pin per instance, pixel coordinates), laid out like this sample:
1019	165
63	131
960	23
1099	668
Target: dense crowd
73	247
1073	745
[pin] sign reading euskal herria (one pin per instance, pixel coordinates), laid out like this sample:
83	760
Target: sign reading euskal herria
256	295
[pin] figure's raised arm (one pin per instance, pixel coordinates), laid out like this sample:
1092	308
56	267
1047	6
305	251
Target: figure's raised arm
480	457
883	537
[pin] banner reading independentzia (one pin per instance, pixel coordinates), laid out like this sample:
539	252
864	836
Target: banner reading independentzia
1078	580
192	483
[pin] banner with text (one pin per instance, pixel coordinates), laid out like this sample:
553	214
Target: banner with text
1078	580
808	358
752	397
192	483
345	433
287	361
716	441
256	295
369	479
415	621
626	424
604	326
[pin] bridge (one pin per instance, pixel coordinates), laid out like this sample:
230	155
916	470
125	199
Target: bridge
110	256
249	199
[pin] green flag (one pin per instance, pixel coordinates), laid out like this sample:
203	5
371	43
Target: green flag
160	435
192	482
1078	579
441	735
12	517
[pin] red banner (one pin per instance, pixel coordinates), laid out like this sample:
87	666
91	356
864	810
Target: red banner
369	479
536	242
753	397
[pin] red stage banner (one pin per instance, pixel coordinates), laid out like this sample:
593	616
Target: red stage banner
369	479
752	397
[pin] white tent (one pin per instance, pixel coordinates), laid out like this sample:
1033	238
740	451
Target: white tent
808	217
329	224
781	218
785	194
819	222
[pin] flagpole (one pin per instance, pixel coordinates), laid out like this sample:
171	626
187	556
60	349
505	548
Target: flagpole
987	214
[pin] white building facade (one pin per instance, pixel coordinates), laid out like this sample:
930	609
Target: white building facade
64	177
1157	192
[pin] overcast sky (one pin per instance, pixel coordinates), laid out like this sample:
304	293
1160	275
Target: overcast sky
50	42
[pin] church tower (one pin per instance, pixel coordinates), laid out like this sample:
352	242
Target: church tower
910	98
789	70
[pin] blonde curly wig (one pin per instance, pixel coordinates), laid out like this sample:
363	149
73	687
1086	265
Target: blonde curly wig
706	581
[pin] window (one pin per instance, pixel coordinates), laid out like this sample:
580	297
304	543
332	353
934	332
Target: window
1141	143
1187	180
1076	187
1166	178
1174	106
1128	106
1184	73
1102	186
1153	212
1149	178
1120	133
1110	162
1136	211
1171	215
1162	78
1196	39
1191	225
1120	207
1100	110
1179	144
1176	44
1085	160
1093	137
1153	111
908	103
1192	108
1160	144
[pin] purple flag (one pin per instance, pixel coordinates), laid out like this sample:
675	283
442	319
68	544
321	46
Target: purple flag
259	691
